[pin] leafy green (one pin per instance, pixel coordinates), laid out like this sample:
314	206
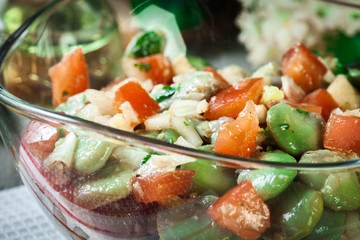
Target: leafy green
352	74
165	93
146	159
143	66
302	111
147	44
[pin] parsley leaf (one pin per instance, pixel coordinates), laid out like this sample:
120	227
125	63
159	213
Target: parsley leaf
145	67
302	111
165	93
146	158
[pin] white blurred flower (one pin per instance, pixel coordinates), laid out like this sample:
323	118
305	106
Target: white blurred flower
270	28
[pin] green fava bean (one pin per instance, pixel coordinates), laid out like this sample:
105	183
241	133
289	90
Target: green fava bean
268	183
209	176
294	213
295	131
339	190
331	226
91	154
190	221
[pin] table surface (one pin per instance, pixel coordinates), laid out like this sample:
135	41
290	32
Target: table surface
21	218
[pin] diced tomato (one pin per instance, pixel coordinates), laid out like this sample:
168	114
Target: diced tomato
139	99
156	67
69	76
307	107
242	211
321	97
238	138
342	133
229	102
224	84
40	138
304	67
160	186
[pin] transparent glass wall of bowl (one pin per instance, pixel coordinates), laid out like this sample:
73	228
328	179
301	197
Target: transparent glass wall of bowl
9	176
100	202
89	24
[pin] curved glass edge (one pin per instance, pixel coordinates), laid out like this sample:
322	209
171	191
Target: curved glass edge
36	112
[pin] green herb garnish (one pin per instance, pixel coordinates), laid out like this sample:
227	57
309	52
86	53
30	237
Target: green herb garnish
352	74
148	156
149	43
145	67
186	123
84	98
165	93
61	132
65	93
302	111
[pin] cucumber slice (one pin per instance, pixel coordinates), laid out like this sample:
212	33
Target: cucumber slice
91	154
107	185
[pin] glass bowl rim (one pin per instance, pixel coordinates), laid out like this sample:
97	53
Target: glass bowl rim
36	112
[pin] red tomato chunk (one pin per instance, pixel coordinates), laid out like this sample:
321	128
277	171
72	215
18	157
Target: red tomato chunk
40	138
321	97
156	67
69	77
304	67
342	133
242	211
231	101
139	99
238	138
160	186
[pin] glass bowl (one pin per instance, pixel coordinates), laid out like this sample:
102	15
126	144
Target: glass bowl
104	194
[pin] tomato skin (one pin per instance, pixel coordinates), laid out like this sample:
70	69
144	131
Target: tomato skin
304	67
159	187
321	97
139	99
69	77
229	102
223	83
342	133
156	67
242	211
238	138
40	138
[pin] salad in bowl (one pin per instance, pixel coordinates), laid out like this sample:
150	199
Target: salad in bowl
176	148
